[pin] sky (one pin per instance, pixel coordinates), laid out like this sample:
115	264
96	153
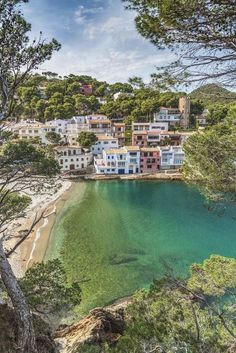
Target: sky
98	38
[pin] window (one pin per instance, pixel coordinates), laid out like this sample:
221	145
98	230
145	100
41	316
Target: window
61	161
105	143
149	166
72	160
113	142
74	152
66	160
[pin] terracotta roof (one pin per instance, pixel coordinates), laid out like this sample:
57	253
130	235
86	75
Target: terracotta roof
100	121
116	151
141	132
132	148
106	137
67	147
150	149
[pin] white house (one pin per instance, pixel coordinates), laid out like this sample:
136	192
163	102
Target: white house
104	142
76	125
59	124
170	115
28	130
71	158
125	160
172	157
156	126
118	94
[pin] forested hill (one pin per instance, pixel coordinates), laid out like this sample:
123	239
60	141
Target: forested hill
49	96
213	93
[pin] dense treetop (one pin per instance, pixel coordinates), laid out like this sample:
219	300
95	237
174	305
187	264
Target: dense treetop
50	96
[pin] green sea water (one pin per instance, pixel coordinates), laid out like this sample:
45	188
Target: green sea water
116	237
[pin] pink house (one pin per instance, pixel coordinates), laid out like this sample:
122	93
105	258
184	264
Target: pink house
149	159
86	90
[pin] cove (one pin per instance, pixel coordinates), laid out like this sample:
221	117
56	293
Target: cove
117	236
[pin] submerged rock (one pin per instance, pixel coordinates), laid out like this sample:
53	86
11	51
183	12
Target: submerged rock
136	252
122	259
100	326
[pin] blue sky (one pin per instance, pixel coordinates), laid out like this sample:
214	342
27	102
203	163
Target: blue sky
98	38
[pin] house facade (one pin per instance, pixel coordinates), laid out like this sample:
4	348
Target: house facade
118	131
100	126
172	157
150	159
172	116
104	142
156	126
71	158
125	160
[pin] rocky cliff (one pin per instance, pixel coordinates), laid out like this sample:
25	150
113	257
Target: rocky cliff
100	326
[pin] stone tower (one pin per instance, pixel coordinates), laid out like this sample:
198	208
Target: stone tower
184	108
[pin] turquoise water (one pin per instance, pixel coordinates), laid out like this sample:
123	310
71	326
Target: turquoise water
116	237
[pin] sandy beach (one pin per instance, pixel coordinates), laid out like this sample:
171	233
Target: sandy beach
34	247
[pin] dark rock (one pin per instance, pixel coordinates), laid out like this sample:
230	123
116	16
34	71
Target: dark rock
122	259
8	333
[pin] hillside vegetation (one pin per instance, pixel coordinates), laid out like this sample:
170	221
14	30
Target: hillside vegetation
212	93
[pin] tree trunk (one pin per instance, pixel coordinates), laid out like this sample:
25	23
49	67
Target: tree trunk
26	336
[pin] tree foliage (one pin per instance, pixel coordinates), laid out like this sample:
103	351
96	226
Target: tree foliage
53	137
201	32
18	55
24	169
47	290
210	159
87	139
185	316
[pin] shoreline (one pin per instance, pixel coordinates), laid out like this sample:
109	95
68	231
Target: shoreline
170	174
33	249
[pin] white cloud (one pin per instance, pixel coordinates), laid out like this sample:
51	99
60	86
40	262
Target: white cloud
112	26
98	41
82	13
108	65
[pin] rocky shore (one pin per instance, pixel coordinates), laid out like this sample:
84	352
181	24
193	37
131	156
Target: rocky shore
102	325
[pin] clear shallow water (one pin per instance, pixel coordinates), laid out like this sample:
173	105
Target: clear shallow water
119	236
